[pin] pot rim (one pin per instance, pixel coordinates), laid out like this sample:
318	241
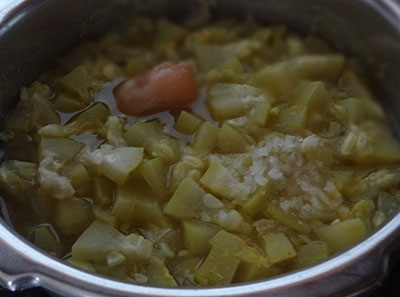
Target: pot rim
47	269
35	268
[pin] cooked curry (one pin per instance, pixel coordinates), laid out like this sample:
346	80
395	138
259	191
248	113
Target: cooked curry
167	156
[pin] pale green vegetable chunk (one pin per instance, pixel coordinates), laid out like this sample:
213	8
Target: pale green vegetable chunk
103	190
292	119
78	177
72	215
360	110
187	201
279	79
76	86
151	137
124	204
158	274
278	248
91	119
313	95
84	265
343	234
63	149
99	240
235	246
256	201
18	179
154	172
205	139
220	181
312	253
196	235
135	204
187	123
294	223
33	111
115	163
46	239
103	215
260	113
217	63
354	86
319	67
229	101
247	272
231	141
65	102
217	269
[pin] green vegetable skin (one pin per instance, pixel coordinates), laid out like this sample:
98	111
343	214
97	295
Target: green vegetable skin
287	161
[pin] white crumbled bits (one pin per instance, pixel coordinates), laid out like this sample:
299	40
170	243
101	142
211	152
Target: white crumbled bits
183	253
378	219
115	258
356	142
140	278
51	183
348	144
230	219
310	142
237	122
302	184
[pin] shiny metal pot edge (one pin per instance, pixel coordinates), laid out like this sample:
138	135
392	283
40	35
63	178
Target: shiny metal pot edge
357	269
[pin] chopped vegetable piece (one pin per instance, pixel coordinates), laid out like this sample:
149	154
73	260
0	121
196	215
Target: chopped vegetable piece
155	142
63	149
235	246
319	67
343	234
45	238
92	119
99	240
312	253
278	248
77	82
247	272
187	201
292	119
359	110
18	179
255	202
158	274
217	269
231	141
187	123
196	235
220	181
276	213
72	215
78	177
32	112
205	139
115	163
167	86
103	190
229	101
153	172
279	79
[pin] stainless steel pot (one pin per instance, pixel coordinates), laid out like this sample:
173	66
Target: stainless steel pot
34	32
